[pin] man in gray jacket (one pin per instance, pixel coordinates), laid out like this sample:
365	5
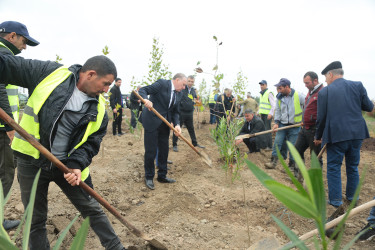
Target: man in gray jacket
289	107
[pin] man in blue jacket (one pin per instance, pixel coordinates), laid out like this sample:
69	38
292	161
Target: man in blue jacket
341	126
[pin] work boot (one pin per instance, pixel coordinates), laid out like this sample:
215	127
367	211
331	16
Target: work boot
337	213
272	164
175	148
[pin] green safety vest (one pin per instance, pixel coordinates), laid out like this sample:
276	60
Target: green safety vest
211	99
264	103
12	92
297	108
30	119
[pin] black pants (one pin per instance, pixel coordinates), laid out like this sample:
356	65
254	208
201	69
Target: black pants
134	113
305	140
156	140
187	119
7	164
117	120
267	125
251	144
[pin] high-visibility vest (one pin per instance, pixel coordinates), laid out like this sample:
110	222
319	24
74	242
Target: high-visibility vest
12	92
30	119
264	103
297	108
211	99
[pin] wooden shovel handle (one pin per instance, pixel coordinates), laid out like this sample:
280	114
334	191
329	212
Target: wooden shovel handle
166	122
268	131
5	117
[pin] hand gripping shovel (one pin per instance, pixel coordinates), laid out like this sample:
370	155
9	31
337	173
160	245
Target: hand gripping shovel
83	185
267	131
203	156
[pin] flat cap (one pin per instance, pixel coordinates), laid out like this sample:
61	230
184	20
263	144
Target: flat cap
331	66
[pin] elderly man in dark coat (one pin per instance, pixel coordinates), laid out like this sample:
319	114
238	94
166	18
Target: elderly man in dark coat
253	124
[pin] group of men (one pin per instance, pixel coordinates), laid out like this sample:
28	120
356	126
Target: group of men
66	114
330	116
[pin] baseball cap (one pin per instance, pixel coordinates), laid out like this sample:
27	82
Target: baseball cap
283	82
263	82
19	29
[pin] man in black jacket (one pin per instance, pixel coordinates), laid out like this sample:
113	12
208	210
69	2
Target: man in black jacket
252	125
188	98
164	97
14	37
225	105
117	105
135	108
64	104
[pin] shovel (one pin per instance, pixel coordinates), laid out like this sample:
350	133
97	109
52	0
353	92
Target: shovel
267	131
203	156
4	116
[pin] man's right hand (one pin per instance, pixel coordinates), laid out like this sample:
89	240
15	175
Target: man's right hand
115	111
10	134
269	117
148	104
276	126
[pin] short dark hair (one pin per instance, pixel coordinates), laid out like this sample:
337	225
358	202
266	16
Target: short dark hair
191	77
118	79
312	75
179	76
249	111
101	64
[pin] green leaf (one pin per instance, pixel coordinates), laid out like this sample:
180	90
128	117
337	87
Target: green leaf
29	211
216	67
6	244
63	234
292	199
292	236
79	240
215	38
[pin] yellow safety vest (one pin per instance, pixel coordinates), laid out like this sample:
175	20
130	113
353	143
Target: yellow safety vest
264	103
297	108
211	99
12	92
30	119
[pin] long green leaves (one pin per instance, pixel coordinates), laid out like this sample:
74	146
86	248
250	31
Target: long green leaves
79	240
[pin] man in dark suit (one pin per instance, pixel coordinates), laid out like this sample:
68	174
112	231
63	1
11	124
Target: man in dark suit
117	105
135	108
165	98
252	125
341	126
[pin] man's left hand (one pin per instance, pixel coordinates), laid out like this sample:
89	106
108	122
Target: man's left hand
73	178
10	134
239	141
178	128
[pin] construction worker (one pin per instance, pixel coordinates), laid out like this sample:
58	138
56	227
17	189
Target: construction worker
14	37
267	106
211	104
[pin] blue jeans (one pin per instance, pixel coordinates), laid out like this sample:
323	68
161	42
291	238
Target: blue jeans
289	134
335	155
87	206
371	217
212	113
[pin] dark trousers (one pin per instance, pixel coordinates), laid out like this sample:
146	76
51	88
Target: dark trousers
187	119
134	113
251	144
267	125
7	164
85	204
212	113
305	140
157	139
117	120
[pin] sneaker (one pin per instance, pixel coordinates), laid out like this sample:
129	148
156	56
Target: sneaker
175	148
368	232
200	146
267	149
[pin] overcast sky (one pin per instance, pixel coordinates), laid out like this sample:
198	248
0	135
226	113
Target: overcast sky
265	39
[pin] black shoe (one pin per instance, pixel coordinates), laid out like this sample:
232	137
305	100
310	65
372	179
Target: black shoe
175	148
149	184
200	146
10	224
368	233
165	180
169	162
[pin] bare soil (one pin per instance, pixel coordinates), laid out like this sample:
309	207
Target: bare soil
202	210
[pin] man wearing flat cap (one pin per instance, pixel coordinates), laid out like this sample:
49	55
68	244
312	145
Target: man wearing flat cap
14	37
289	106
341	126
